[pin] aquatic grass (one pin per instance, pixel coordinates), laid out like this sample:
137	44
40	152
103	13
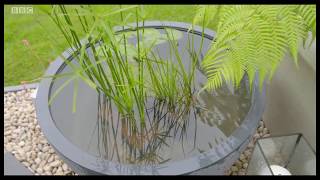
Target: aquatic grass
187	77
140	101
127	75
96	73
163	77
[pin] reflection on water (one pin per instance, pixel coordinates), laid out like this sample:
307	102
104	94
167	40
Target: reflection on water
224	107
120	142
171	134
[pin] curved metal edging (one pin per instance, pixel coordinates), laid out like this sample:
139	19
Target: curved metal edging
93	165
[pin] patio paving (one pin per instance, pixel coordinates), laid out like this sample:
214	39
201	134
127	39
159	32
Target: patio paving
13	167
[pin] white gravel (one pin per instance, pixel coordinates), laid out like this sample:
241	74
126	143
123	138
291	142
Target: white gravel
241	165
24	139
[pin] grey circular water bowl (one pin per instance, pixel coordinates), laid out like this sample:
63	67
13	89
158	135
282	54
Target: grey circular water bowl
68	133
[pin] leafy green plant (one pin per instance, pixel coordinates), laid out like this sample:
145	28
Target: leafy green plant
253	39
127	74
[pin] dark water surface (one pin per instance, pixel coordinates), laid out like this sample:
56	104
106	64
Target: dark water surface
95	127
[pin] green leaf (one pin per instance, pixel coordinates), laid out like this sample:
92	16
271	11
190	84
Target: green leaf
75	94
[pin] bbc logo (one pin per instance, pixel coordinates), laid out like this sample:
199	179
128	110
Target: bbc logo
22	10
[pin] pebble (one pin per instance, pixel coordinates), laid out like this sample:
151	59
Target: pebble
250	145
6	116
27	149
51	150
261	124
9	148
51	158
59	171
21	153
55	163
54	170
234	168
47	168
37	160
21	143
238	164
6	133
247	153
266	135
40	170
242	157
45	149
65	167
42	163
34	166
17	131
256	136
245	165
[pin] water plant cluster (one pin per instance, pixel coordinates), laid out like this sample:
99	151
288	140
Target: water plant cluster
127	74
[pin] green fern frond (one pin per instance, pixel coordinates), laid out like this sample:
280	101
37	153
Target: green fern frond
295	29
308	13
254	39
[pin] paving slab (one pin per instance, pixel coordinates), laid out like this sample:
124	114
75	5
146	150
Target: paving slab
13	167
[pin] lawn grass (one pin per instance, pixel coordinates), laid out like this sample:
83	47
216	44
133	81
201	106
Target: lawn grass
23	63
